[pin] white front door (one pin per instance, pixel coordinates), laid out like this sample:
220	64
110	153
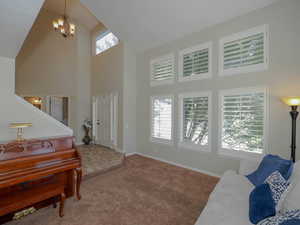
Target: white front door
105	120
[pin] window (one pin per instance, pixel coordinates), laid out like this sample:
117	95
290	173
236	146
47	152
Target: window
195	62
243	121
244	52
161	119
195	120
162	70
105	41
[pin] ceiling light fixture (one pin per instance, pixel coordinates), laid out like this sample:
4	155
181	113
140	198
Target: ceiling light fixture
63	26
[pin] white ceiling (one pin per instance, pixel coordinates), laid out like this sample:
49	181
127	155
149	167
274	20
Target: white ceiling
75	10
149	23
16	19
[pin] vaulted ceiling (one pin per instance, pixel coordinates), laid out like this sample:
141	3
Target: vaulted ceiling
75	10
149	23
16	19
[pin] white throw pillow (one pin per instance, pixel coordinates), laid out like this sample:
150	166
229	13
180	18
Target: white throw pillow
292	201
248	166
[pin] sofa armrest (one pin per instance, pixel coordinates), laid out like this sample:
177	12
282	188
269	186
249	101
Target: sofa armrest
248	166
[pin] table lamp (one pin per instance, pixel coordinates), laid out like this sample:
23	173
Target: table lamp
294	102
20	127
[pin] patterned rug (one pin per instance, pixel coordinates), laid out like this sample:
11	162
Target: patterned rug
97	159
141	192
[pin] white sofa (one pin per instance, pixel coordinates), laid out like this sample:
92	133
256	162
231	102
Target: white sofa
228	204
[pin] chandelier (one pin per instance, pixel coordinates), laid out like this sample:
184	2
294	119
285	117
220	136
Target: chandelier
63	26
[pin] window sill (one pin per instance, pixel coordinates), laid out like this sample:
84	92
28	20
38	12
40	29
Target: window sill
239	154
194	77
161	141
194	147
242	70
163	82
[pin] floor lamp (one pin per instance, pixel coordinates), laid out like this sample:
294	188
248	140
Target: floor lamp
293	102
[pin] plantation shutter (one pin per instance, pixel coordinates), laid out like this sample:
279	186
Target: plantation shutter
162	118
243	52
243	122
163	69
196	62
195	120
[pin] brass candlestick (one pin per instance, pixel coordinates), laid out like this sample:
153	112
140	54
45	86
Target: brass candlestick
20	129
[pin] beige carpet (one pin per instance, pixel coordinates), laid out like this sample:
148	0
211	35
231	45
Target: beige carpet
141	192
97	159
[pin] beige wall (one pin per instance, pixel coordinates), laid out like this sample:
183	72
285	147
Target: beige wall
114	71
48	64
14	109
107	77
282	78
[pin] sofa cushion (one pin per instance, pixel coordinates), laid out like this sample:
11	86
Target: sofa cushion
229	202
268	165
261	203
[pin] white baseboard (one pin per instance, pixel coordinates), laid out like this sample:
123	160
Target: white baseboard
175	164
131	153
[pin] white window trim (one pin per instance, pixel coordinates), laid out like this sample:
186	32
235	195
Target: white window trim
244	154
100	35
246	69
201	76
156	60
192	146
161	140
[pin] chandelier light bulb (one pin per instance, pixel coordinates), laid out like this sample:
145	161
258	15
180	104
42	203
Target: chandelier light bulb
63	26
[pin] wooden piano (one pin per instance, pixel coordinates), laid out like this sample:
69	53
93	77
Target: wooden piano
37	173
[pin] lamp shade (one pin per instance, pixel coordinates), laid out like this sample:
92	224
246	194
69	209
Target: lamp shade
291	101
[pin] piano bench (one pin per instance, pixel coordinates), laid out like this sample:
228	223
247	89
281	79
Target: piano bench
26	198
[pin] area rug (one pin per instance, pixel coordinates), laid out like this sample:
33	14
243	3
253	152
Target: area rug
97	159
142	191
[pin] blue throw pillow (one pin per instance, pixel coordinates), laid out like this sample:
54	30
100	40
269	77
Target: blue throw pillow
291	222
288	218
261	204
268	165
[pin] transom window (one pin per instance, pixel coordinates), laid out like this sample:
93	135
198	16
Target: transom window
195	62
243	121
195	120
161	119
105	41
244	52
162	70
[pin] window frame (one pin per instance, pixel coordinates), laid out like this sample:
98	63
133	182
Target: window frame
157	60
244	154
245	69
161	140
189	145
207	45
99	36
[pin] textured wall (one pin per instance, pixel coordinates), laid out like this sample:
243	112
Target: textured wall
282	78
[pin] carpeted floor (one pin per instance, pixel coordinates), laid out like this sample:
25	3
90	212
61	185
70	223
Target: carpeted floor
97	159
141	192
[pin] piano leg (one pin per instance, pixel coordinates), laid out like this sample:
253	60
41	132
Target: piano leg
62	204
78	182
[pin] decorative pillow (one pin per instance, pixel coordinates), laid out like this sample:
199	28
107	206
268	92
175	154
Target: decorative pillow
288	218
261	203
279	188
268	165
292	200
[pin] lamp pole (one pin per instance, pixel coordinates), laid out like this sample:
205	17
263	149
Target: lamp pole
294	114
